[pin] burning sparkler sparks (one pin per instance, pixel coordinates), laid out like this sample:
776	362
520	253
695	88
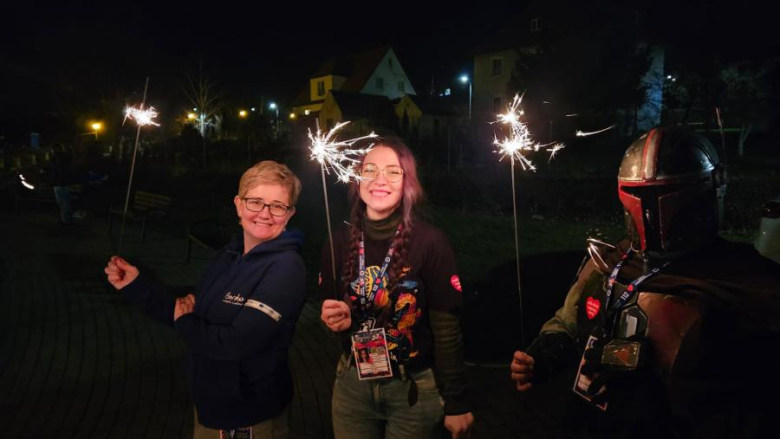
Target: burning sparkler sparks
590	133
519	142
25	183
141	116
338	156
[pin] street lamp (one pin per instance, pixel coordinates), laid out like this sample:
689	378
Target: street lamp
242	114
96	126
464	79
275	107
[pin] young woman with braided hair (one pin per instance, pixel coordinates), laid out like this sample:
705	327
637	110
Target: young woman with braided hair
399	298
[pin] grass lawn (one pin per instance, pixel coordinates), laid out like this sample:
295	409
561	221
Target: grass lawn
483	242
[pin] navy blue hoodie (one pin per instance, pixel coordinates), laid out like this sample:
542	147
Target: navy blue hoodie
245	313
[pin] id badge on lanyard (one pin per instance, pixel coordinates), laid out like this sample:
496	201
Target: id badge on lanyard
371	354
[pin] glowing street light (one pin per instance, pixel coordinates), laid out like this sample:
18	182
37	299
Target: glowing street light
191	116
96	127
275	107
242	114
465	79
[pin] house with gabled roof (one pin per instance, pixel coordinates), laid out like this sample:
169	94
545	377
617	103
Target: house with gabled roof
376	72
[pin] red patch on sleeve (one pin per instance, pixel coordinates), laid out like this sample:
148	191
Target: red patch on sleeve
592	307
455	281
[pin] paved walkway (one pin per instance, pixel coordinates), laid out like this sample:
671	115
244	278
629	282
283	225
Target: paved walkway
77	361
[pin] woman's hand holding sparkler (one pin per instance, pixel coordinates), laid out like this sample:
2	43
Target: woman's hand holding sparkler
120	272
336	315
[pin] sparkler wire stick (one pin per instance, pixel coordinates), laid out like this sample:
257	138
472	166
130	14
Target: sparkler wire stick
330	230
517	256
132	170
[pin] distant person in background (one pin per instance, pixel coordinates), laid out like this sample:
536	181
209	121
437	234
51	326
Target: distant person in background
671	332
61	178
239	324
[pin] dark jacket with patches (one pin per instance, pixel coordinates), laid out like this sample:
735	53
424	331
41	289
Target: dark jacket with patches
239	333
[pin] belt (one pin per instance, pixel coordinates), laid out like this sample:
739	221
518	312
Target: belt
400	371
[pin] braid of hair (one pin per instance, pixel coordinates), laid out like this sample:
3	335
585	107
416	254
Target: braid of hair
400	257
348	270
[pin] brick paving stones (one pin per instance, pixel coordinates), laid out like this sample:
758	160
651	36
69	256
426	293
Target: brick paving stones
78	361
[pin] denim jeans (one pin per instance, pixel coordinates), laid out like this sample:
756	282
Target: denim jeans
62	196
380	408
274	428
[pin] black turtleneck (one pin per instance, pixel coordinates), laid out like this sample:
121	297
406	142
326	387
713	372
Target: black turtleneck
384	228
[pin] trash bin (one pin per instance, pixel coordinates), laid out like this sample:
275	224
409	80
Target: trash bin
768	240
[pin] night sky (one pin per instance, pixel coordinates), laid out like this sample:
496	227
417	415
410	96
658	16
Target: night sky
105	50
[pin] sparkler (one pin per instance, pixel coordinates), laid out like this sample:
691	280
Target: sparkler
515	146
142	118
337	156
340	158
590	133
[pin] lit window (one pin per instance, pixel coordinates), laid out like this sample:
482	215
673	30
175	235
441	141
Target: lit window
536	25
496	66
380	83
497	104
320	88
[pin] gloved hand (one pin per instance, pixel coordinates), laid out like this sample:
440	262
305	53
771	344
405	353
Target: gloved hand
609	361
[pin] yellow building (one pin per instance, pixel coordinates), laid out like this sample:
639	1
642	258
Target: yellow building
376	72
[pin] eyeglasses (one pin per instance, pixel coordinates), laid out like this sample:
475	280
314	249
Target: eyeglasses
393	173
257	205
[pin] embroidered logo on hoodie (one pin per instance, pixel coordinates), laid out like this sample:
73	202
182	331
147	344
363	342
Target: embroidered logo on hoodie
233	299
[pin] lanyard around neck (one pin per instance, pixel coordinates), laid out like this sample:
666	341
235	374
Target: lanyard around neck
368	297
632	287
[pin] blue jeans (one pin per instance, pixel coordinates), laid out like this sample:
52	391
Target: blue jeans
274	428
380	409
62	195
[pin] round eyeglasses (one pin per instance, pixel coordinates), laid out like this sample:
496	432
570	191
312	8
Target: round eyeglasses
393	173
257	205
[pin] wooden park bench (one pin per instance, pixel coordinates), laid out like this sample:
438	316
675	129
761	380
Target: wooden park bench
207	233
144	206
